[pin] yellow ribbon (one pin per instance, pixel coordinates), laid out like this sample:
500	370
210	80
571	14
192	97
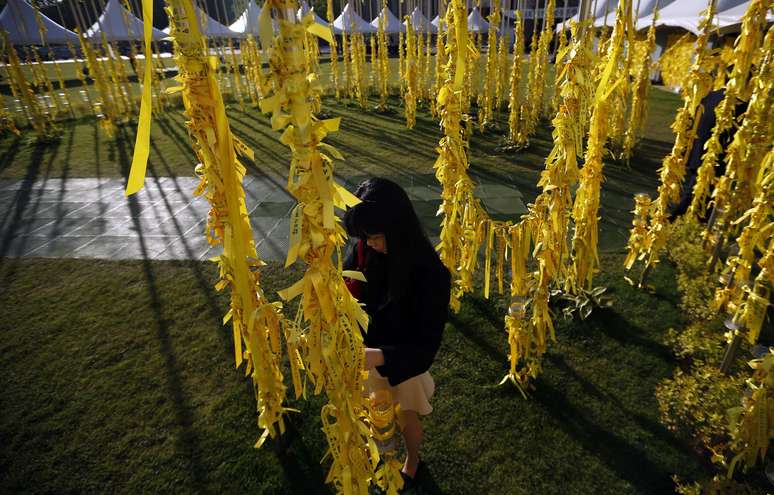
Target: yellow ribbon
142	142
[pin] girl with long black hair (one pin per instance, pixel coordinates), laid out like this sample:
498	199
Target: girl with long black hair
406	296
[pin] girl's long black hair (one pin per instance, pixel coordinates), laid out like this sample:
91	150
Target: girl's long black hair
386	209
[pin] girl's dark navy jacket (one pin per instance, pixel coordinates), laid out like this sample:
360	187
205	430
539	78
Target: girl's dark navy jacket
406	324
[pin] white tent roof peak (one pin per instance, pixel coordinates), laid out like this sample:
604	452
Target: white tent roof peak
476	22
685	14
420	23
437	21
18	20
305	9
119	24
348	17
247	23
390	22
733	16
210	27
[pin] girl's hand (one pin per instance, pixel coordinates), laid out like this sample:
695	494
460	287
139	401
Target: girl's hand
373	358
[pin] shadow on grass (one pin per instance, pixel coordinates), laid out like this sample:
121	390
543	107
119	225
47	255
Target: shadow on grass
627	460
655	428
15	221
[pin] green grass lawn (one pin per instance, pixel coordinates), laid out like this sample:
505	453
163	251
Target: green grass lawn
119	377
372	143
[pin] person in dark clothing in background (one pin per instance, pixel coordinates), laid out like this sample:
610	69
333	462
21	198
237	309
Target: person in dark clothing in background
406	297
707	123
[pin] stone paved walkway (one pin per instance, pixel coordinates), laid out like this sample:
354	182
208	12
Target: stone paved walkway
91	218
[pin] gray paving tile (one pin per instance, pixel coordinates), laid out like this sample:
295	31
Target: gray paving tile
60	227
145	248
62	209
211	253
28	211
60	247
262	226
273	209
512	206
134	227
137	209
199	209
92	210
8	196
180	226
191	247
426	209
425	193
259	190
21	245
490	190
93	227
274	246
24	227
102	248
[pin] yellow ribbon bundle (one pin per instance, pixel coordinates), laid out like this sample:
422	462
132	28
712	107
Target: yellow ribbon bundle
108	111
40	76
257	323
747	46
752	423
521	339
514	103
346	47
253	72
60	78
486	99
641	77
502	70
753	239
334	56
586	206
236	75
42	123
537	77
675	62
558	63
426	68
638	235
672	172
401	65
357	71
440	58
743	177
332	343
79	72
384	66
410	73
462	228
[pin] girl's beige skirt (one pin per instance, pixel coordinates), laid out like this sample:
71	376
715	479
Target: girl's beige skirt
413	395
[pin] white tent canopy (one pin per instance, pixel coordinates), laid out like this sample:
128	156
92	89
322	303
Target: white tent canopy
437	21
648	6
18	20
685	14
247	23
350	22
305	9
733	17
210	27
646	10
389	21
119	24
420	23
610	5
476	23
